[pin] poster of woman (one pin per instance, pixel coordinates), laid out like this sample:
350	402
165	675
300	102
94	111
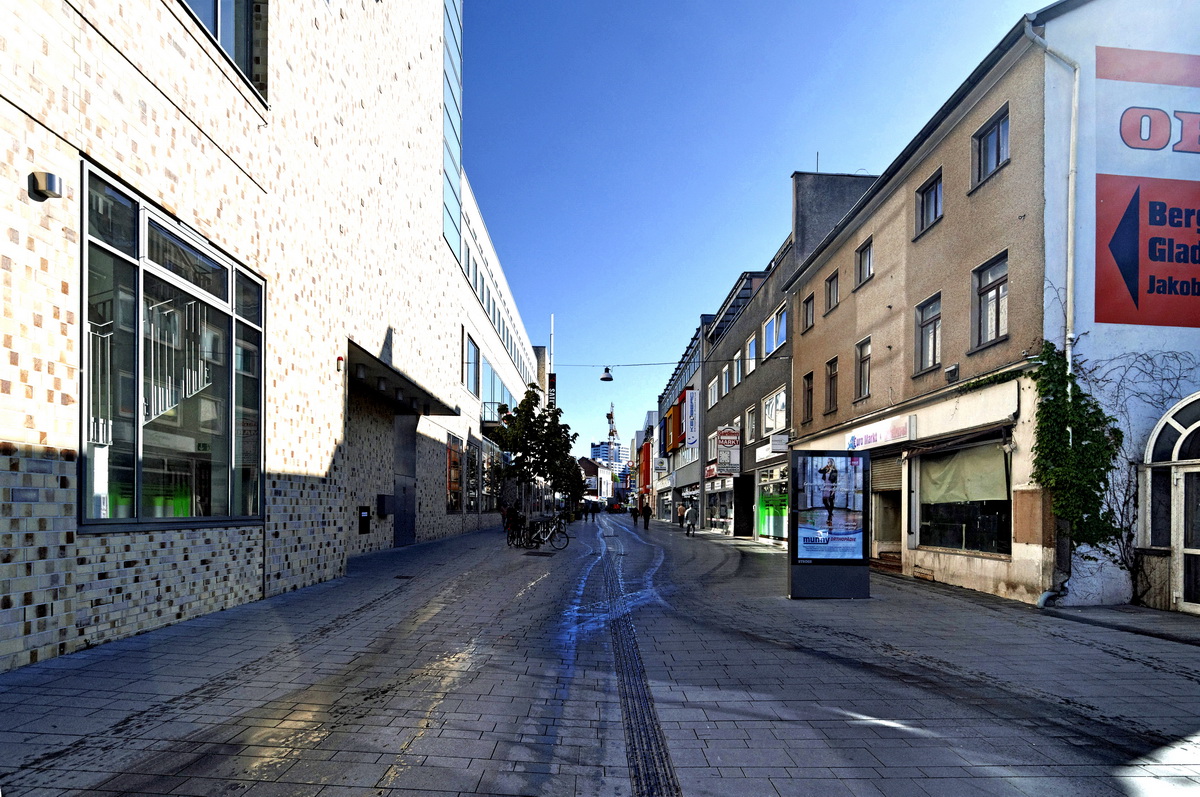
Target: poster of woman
828	505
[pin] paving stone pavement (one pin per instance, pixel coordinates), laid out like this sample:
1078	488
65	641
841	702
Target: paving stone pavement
634	662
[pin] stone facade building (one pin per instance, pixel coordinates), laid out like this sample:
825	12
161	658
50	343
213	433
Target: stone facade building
252	318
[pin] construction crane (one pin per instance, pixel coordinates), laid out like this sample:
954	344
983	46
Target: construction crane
612	439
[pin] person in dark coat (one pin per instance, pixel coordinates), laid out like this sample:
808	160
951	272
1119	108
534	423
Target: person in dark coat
646	515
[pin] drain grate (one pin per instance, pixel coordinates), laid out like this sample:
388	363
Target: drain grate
540	553
403	577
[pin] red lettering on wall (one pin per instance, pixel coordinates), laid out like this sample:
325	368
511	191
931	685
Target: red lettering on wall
1189	140
1158	128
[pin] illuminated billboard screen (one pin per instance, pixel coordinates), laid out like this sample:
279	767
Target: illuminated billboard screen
830	491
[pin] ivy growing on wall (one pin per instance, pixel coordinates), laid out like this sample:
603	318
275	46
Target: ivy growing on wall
1076	445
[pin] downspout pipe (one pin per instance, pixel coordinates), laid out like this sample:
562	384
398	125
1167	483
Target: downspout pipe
1072	170
1073	165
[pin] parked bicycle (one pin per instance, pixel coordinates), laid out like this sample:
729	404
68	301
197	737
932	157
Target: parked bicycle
534	533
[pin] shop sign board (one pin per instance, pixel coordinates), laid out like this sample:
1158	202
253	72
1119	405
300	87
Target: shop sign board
660	464
729	451
891	430
691	418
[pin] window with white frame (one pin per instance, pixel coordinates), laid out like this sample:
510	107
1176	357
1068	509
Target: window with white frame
929	202
864	263
775	331
751	424
173	395
862	369
991	302
711	449
808	312
737	371
929	333
725	380
712	392
991	146
832	297
774	412
751	351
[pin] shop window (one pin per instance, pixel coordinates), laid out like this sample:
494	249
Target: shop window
173	425
454	475
964	500
473	485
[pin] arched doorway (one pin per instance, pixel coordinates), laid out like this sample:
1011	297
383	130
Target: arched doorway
1172	516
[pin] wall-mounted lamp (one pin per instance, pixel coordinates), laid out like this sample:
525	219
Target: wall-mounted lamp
951	372
381	385
607	375
399	394
340	362
360	371
44	185
425	409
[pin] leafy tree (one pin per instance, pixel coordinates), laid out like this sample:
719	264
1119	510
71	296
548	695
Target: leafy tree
538	445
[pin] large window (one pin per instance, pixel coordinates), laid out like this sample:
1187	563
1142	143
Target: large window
929	203
231	23
775	331
174	364
806	398
452	126
471	366
831	385
929	333
964	498
862	370
991	146
991	302
774	412
864	263
832	296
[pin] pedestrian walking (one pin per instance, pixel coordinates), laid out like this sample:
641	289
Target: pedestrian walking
633	513
690	518
679	512
646	515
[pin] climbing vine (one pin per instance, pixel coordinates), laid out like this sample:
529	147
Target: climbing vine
1076	445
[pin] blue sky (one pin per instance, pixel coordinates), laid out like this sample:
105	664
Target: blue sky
631	159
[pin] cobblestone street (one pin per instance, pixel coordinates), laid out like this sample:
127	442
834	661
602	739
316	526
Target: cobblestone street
632	663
